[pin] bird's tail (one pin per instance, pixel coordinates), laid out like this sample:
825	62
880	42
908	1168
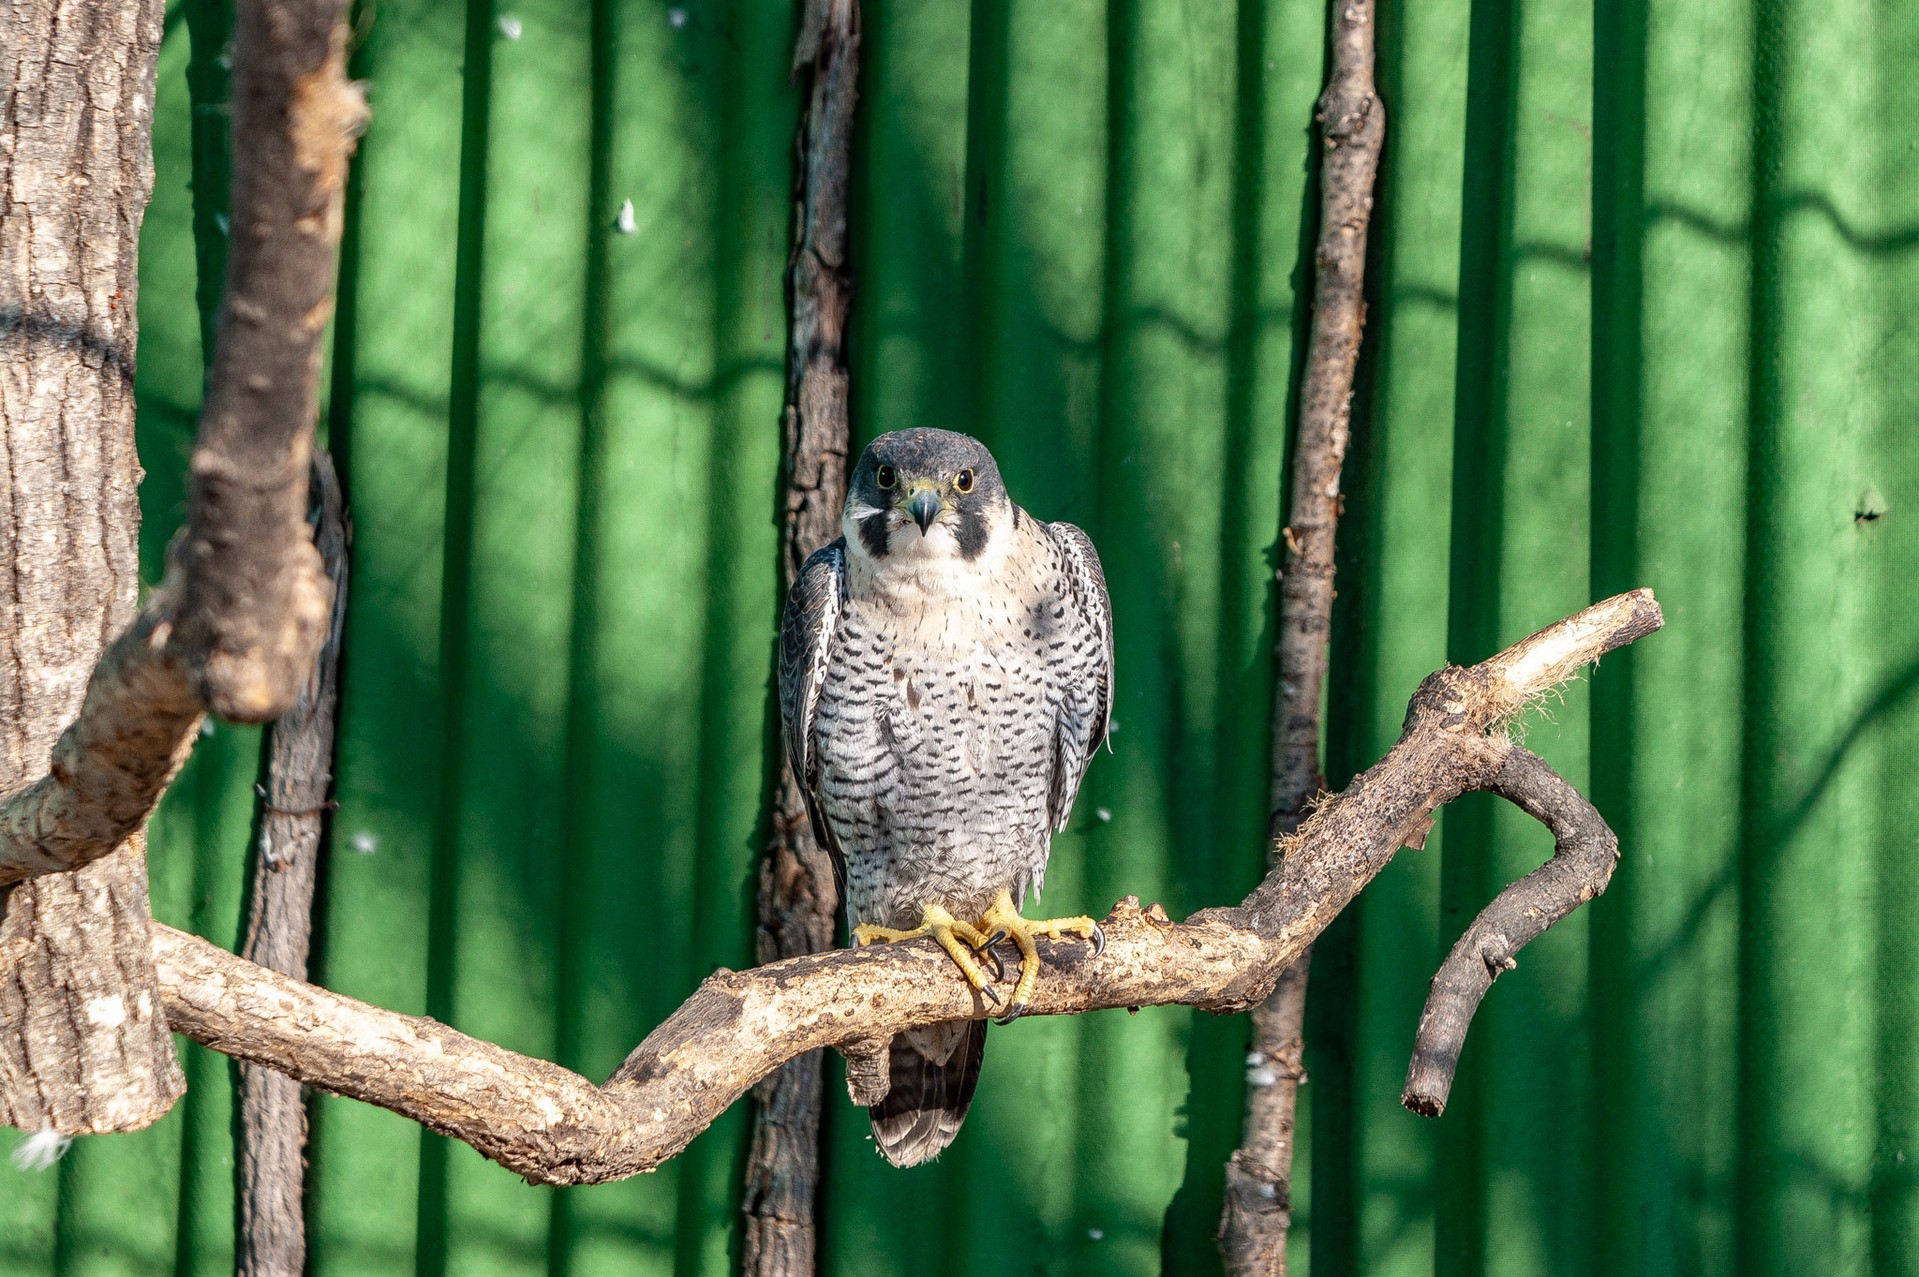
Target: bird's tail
934	1070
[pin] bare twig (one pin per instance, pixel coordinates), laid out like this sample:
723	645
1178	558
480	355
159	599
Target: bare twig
1354	125
1258	1209
1584	853
271	1166
1259	1206
235	627
798	898
555	1127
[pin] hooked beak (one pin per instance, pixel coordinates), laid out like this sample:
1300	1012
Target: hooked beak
924	507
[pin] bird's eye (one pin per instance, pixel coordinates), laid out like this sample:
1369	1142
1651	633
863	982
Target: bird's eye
887	477
963	481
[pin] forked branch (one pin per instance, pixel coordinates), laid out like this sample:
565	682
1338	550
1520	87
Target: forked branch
235	627
555	1127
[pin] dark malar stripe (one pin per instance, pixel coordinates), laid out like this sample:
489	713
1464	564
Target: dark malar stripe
873	535
969	529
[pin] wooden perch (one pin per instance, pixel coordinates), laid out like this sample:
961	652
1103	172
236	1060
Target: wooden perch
555	1127
235	627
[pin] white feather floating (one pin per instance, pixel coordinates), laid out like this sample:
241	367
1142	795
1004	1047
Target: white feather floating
40	1150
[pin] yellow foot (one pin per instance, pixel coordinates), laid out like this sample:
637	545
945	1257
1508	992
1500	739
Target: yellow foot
961	940
1003	920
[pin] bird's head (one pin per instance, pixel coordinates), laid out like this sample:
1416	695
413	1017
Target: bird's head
922	497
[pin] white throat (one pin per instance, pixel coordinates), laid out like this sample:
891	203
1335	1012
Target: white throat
923	569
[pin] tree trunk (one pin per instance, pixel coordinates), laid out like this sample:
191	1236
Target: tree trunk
83	1044
798	898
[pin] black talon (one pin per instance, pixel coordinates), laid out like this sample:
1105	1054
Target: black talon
1014	1012
987	989
985	949
1099	940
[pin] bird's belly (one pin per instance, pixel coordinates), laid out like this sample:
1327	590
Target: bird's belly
934	777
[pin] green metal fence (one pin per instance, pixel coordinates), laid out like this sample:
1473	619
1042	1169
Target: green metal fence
1644	312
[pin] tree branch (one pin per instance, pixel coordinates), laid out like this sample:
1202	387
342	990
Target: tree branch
135	729
270	1168
798	899
1258	1210
1584	854
254	607
555	1127
235	626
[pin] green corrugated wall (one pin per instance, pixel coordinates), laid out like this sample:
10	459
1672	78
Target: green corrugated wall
1645	311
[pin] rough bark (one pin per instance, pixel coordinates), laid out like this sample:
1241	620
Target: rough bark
137	723
271	1163
869	1070
1258	1209
798	897
255	599
555	1127
82	1044
235	625
244	607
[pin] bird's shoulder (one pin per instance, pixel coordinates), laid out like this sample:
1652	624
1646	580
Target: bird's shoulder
1079	568
813	608
818	591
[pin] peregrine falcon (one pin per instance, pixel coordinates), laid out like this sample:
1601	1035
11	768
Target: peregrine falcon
946	674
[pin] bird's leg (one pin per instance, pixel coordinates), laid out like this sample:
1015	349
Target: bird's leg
960	940
1003	920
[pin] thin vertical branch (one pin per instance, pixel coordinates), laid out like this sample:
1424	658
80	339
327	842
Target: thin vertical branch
798	897
1353	128
271	1167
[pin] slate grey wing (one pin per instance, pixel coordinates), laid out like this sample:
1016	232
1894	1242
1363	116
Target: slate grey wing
1086	703
807	633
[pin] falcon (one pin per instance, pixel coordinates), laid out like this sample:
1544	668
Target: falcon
946	674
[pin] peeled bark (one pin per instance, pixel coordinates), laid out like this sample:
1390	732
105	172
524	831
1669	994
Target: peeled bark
83	1045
